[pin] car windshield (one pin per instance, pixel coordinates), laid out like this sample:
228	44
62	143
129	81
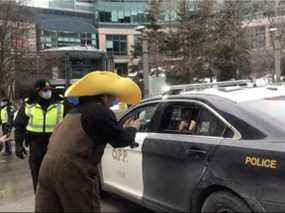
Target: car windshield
270	109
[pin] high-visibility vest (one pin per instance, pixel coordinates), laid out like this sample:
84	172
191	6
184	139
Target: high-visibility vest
41	121
4	115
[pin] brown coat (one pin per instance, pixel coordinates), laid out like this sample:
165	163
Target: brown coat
68	178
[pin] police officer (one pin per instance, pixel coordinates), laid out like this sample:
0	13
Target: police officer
7	119
35	122
69	178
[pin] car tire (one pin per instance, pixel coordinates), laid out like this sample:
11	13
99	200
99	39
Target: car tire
224	201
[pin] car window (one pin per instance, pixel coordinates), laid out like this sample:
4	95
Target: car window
145	115
210	125
179	118
229	133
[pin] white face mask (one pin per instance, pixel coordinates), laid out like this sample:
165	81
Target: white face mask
46	94
3	103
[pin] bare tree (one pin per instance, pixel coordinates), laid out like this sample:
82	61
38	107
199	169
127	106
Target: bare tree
205	40
154	19
34	66
274	22
17	44
191	40
261	63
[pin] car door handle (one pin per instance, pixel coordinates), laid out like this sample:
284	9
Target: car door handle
196	152
134	145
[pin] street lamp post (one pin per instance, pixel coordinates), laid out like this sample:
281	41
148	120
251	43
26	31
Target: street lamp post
67	70
277	53
145	65
145	60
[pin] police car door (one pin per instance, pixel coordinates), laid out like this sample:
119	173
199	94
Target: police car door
122	168
174	160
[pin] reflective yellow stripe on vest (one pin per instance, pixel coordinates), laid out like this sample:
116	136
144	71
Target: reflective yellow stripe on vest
4	115
39	121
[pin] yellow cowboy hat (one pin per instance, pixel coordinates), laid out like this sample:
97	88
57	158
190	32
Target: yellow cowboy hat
102	82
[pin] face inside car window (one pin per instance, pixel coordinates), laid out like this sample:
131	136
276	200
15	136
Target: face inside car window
180	119
194	119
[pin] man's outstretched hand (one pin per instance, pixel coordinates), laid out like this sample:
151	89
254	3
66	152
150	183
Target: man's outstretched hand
132	122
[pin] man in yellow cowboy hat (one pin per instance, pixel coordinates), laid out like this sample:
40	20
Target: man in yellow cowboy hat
69	178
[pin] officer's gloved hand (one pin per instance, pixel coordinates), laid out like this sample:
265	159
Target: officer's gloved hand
134	145
21	152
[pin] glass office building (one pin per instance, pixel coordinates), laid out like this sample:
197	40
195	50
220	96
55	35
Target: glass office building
51	39
128	11
117	11
112	11
108	25
78	5
60	28
133	11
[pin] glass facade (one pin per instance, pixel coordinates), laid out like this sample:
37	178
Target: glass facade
133	11
121	11
117	45
253	9
79	5
51	39
66	4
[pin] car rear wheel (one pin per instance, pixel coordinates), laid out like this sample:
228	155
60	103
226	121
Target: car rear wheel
224	202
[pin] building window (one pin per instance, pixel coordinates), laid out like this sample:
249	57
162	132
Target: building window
121	11
51	39
117	45
86	39
105	16
122	69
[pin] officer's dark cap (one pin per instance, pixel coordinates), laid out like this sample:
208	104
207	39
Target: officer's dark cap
42	83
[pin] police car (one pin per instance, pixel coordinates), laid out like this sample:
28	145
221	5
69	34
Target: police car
231	160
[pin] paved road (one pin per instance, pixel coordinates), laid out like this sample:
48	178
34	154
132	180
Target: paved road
16	192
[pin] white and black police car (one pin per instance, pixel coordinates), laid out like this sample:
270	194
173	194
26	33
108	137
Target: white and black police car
232	159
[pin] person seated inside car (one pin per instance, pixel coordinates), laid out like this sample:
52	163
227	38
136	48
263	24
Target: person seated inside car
188	123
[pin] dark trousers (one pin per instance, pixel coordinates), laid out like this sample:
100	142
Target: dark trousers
67	185
7	145
37	153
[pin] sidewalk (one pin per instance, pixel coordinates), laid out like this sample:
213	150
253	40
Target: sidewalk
17	195
16	191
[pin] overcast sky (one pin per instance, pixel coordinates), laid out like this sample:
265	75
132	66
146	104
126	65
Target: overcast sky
38	3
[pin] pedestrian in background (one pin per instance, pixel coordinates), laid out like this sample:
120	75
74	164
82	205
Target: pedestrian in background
69	177
7	121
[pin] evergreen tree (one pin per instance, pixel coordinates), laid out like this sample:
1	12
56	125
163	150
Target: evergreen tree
192	38
232	49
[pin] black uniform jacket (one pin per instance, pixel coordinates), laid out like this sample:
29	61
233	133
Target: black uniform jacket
21	121
101	125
